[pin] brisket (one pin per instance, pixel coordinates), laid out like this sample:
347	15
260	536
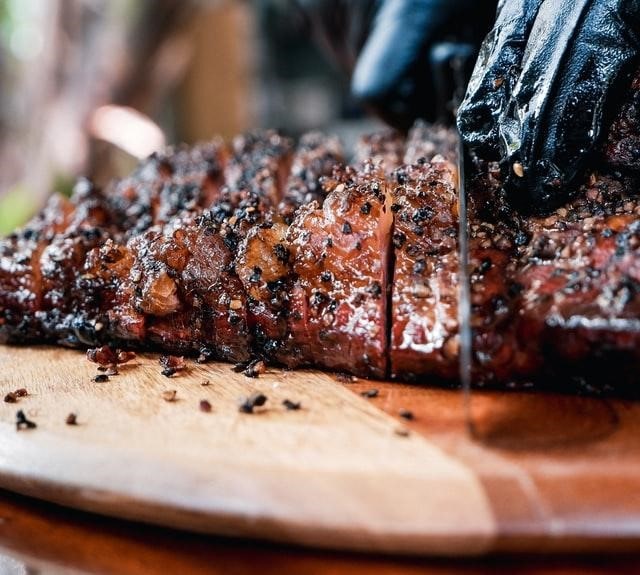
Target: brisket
263	249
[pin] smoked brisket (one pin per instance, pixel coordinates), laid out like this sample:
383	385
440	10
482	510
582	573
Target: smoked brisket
264	249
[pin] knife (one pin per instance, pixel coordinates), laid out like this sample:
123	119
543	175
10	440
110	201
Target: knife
452	65
464	290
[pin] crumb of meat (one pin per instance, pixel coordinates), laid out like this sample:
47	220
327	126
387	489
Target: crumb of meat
172	364
255	368
170	395
346	378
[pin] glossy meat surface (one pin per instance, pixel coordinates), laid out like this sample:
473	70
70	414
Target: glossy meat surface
264	249
340	258
424	321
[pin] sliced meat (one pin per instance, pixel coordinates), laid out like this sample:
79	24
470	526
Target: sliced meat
424	320
253	251
263	261
257	170
580	281
384	149
264	267
340	254
188	304
66	306
316	157
172	183
426	141
20	278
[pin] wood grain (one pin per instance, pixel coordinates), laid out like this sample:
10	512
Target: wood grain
333	474
546	472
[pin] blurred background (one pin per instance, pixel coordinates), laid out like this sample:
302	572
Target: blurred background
90	86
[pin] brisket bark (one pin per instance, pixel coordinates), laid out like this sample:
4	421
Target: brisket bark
270	250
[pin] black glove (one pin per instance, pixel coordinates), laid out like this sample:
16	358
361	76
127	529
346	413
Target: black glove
387	47
546	79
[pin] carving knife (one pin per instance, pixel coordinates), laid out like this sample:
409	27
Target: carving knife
464	289
452	64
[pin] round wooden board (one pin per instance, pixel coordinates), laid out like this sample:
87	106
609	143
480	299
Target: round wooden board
335	473
340	472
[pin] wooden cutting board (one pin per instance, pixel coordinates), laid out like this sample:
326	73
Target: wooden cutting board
549	472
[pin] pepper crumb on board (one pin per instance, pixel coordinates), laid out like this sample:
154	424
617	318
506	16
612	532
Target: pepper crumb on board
346	378
100	378
21	392
169	395
72	419
370	393
205	406
172	364
205	383
248	404
291	405
255	368
401	432
406	414
22	422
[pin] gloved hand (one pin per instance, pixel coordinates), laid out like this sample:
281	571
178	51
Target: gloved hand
386	46
546	78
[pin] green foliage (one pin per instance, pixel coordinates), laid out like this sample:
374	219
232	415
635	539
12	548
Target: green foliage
16	207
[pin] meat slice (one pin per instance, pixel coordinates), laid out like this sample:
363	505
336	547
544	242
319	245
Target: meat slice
172	183
580	285
426	141
20	278
187	304
384	149
316	157
67	307
257	170
264	267
424	318
340	256
189	287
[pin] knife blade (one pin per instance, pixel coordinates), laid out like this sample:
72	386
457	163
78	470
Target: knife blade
464	290
452	64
